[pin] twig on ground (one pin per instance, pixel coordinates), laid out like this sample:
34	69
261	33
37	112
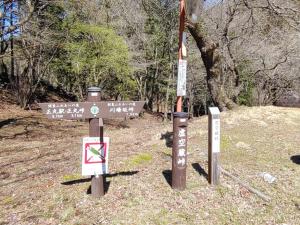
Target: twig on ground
251	189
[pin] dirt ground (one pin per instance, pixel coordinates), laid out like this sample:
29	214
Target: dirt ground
41	182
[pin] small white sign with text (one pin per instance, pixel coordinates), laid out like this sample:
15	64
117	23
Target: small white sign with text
181	79
216	136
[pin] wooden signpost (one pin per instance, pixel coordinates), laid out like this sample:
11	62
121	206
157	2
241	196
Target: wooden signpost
94	110
179	151
214	137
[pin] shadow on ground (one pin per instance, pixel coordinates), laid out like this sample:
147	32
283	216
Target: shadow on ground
106	183
200	170
168	137
296	159
8	121
168	176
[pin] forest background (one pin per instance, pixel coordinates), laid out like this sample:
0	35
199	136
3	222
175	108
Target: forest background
240	52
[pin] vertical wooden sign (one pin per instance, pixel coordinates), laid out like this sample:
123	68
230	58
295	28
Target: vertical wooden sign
179	151
214	137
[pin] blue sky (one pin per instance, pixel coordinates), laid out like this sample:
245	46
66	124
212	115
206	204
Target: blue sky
7	15
210	3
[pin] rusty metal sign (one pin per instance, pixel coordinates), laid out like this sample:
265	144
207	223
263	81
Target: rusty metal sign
85	110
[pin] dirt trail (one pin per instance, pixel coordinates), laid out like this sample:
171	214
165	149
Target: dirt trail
40	181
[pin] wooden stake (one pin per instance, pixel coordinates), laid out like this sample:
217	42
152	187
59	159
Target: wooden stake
249	188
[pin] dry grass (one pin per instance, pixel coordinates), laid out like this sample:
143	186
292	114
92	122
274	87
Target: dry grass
39	157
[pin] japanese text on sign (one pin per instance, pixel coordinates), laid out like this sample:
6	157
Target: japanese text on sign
84	110
123	107
181	80
216	135
58	110
181	157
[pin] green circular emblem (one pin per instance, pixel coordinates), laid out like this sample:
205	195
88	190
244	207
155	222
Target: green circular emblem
95	110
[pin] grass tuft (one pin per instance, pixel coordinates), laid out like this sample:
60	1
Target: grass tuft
8	200
225	142
70	177
140	159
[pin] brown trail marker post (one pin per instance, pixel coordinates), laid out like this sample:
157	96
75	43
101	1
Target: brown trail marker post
96	130
95	111
213	145
179	151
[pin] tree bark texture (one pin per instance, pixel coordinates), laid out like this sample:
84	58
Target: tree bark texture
212	60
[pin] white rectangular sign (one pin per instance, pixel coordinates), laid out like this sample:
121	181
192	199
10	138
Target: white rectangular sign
216	135
181	79
95	156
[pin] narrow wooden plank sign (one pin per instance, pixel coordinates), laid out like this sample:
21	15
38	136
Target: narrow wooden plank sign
214	137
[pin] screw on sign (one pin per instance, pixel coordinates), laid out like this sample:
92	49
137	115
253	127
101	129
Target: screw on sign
95	110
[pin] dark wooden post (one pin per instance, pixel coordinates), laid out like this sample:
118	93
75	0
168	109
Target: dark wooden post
96	130
179	152
213	145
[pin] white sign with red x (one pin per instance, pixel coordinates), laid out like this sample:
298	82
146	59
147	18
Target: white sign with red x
95	156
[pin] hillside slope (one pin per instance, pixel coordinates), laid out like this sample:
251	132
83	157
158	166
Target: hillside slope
40	181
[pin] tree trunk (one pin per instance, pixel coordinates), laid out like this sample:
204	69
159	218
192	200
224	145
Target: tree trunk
211	58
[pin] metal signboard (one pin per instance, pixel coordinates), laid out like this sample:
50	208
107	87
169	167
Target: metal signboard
181	80
95	156
84	110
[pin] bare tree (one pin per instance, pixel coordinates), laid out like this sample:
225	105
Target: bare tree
236	34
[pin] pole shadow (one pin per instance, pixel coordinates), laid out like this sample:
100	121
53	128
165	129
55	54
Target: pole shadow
8	121
124	173
200	170
296	159
168	176
72	182
106	183
168	137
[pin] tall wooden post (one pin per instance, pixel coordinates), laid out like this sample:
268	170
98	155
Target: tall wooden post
181	30
179	151
96	130
213	145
